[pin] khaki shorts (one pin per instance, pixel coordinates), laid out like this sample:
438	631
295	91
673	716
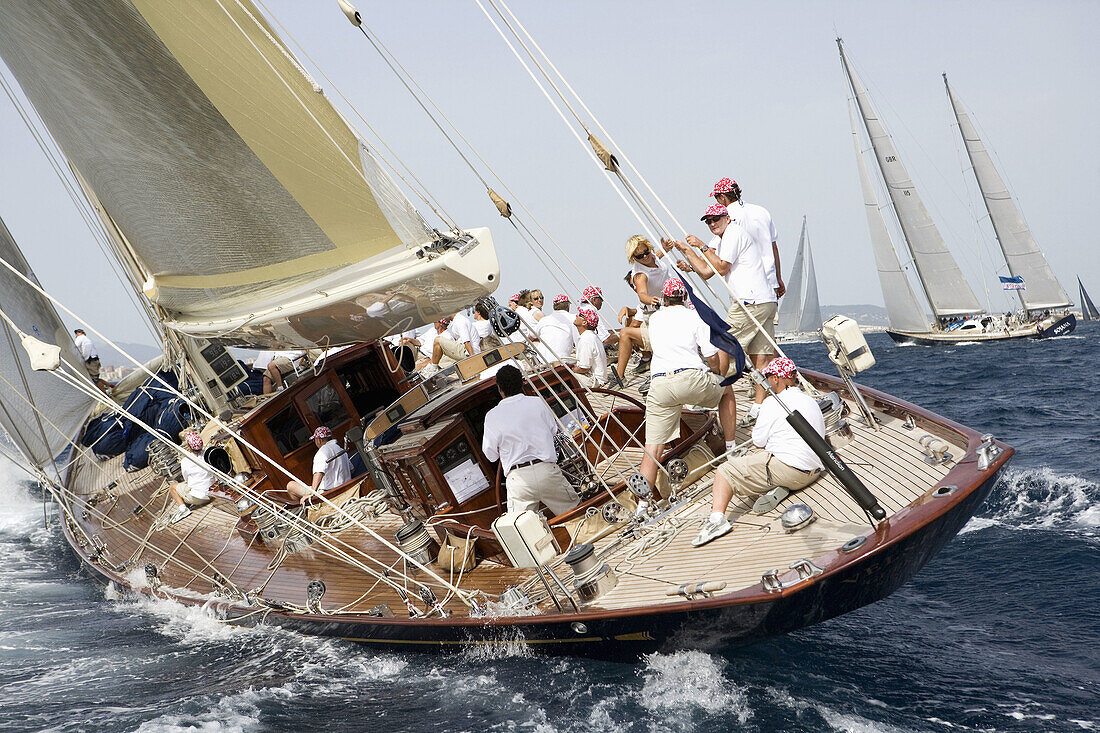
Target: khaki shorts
452	351
667	396
645	337
283	364
758	473
92	367
746	332
540	482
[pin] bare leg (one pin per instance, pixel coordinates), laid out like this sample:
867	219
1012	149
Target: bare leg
653	453
722	493
174	490
629	338
437	352
760	361
727	414
299	490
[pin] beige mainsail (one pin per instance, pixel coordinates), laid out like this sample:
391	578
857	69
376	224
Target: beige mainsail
255	213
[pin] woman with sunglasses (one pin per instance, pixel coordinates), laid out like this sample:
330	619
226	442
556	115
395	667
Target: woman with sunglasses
647	277
537	300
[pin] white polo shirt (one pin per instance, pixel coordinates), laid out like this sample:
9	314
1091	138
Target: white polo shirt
774	434
602	331
557	334
334	463
463	330
86	347
264	358
680	340
197	475
747	276
592	355
520	428
757	221
655	283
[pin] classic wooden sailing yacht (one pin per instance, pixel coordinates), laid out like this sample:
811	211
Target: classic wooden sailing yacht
957	316
415	550
800	313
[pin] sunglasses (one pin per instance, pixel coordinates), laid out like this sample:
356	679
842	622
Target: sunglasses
643	255
711	219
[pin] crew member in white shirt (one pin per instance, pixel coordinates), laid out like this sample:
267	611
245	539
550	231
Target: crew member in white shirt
591	365
276	365
647	277
556	331
593	296
681	341
91	358
194	490
461	340
519	432
331	467
527	322
739	263
757	221
426	341
786	462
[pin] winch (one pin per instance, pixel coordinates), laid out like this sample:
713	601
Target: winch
591	579
415	541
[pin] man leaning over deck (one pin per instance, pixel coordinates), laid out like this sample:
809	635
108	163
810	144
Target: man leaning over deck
519	432
331	467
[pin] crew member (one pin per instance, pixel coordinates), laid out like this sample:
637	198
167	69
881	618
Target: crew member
276	366
331	467
680	343
556	332
786	462
739	263
647	278
91	358
519	432
593	296
462	339
591	355
537	299
194	490
757	221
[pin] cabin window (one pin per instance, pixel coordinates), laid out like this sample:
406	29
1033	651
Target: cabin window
288	430
367	385
327	406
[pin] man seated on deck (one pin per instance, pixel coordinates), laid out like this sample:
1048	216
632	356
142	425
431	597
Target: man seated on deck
591	368
462	339
194	490
593	296
276	365
557	332
519	432
331	468
786	464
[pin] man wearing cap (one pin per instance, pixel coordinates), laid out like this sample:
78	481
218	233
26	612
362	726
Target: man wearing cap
757	221
194	490
739	263
591	355
786	462
557	332
331	467
90	357
593	296
680	342
519	432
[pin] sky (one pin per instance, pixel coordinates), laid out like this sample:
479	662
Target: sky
691	92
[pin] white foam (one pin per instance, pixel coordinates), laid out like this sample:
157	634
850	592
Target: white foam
1043	499
976	524
844	722
676	683
236	713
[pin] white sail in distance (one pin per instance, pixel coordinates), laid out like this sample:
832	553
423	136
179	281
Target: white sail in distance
810	319
1089	311
947	289
1042	290
790	310
252	211
902	307
40	412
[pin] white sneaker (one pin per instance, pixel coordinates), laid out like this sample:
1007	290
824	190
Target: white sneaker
770	500
181	513
429	370
711	531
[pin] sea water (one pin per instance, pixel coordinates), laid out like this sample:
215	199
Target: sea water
999	632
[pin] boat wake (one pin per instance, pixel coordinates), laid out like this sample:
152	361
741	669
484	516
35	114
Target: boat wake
1041	499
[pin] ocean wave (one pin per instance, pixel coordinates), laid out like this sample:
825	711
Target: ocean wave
679	684
1041	499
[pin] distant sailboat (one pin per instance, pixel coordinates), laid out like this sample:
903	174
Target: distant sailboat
1089	312
801	314
957	316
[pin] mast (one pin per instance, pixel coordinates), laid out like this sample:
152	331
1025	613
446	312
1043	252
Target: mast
948	292
811	306
790	311
902	307
1021	253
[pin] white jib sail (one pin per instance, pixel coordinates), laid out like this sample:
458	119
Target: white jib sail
948	291
810	318
39	411
902	307
790	310
239	188
1042	290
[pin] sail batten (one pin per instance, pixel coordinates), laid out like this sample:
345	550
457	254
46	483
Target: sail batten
902	307
948	292
1022	254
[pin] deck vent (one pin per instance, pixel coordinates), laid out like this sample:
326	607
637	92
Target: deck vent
591	579
796	517
579	628
854	544
942	491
